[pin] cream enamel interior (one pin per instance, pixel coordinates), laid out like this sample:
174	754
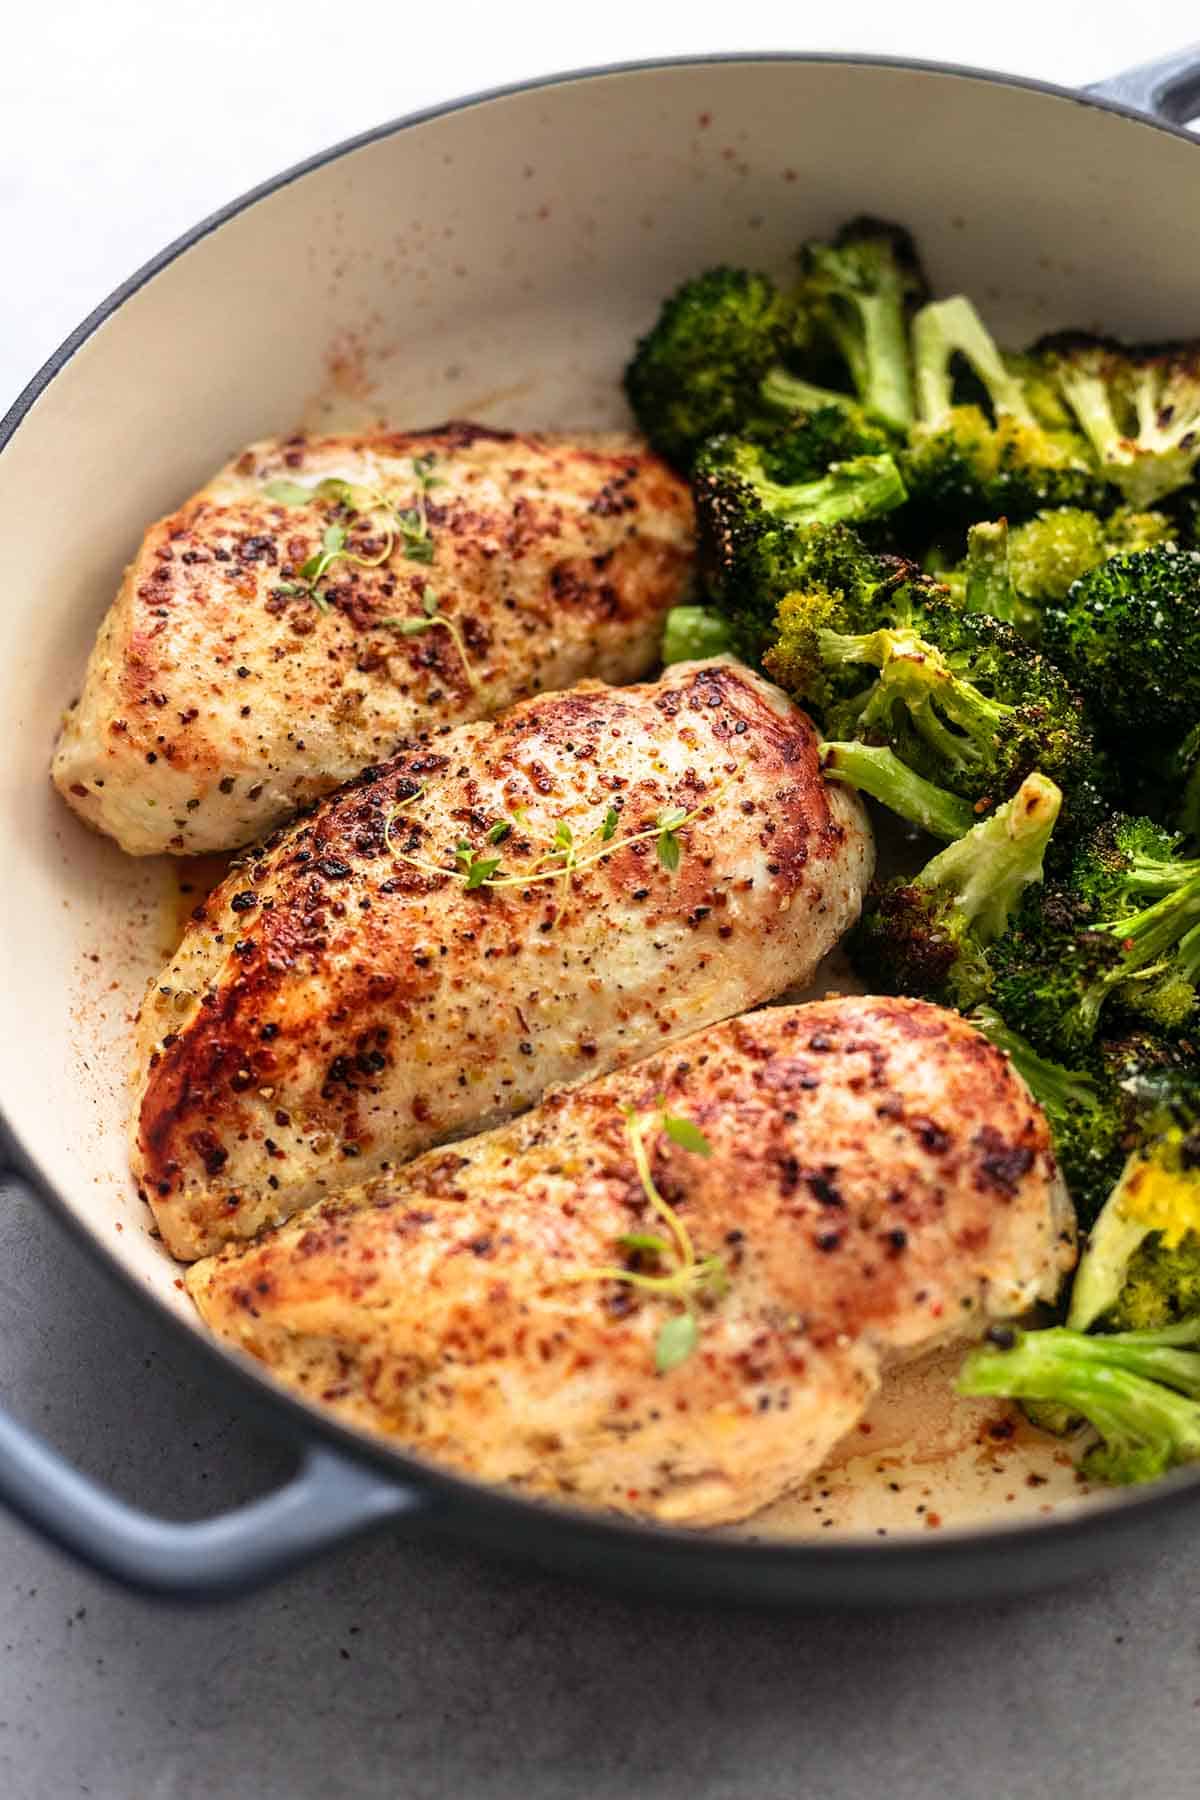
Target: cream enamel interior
497	262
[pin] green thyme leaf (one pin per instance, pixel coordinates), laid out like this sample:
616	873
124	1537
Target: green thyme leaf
335	489
668	851
481	869
499	831
608	829
686	1134
290	492
677	1338
408	627
672	820
334	538
644	1240
563	836
429	603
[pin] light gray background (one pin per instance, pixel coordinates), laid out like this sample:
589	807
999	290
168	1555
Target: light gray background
398	1670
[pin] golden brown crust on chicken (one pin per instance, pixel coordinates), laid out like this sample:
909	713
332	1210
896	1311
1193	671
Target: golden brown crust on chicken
344	1001
879	1181
215	702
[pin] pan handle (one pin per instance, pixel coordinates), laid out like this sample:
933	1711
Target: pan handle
328	1499
1167	88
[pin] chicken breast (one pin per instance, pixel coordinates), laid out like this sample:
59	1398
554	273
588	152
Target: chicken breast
228	687
871	1179
497	909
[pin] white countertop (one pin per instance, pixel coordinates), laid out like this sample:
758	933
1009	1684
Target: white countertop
390	1668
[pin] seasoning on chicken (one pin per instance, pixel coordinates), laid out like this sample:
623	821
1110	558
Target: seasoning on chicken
323	599
509	905
671	1291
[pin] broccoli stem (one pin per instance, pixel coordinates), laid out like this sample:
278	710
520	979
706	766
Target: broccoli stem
858	489
1136	1388
864	310
989	868
1057	1090
958	722
790	393
1155	932
694	632
878	771
989	587
949	328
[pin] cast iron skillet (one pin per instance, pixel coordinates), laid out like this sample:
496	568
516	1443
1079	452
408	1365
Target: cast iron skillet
1119	132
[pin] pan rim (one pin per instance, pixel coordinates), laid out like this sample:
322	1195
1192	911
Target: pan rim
301	1423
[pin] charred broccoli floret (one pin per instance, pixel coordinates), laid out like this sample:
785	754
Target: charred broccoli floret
1123	930
1129	634
858	294
968	462
1139	407
881	656
926	935
1137	1389
699	368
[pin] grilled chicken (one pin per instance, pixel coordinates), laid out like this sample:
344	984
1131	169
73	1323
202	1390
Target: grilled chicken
227	687
878	1181
504	907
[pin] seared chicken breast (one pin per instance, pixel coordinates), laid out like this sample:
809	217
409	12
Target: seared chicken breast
499	908
249	664
822	1190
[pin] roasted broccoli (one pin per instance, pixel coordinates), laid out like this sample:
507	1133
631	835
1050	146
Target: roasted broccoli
693	632
875	770
1123	928
926	934
1015	574
1137	1389
1139	407
966	461
699	369
1141	1265
1129	634
1184	784
880	654
857	295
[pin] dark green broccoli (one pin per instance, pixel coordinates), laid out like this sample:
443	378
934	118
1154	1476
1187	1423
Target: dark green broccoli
1137	1389
857	295
778	488
1139	407
694	632
699	369
1015	574
1183	782
926	934
1129	634
966	462
877	651
1122	929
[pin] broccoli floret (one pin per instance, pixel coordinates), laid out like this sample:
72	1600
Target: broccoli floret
699	369
1083	1106
1015	574
786	395
925	935
779	485
881	656
1129	634
963	462
1122	928
1138	1390
1140	408
694	632
1141	1265
858	294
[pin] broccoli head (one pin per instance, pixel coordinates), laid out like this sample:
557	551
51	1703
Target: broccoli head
1129	634
699	369
1139	407
1137	1389
1015	574
857	295
883	657
925	935
1121	930
968	461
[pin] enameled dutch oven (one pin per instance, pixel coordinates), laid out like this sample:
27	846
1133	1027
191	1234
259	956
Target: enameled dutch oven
494	258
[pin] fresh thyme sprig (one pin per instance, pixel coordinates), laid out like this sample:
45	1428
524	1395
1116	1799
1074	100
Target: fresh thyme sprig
683	1276
413	521
410	524
430	615
564	855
